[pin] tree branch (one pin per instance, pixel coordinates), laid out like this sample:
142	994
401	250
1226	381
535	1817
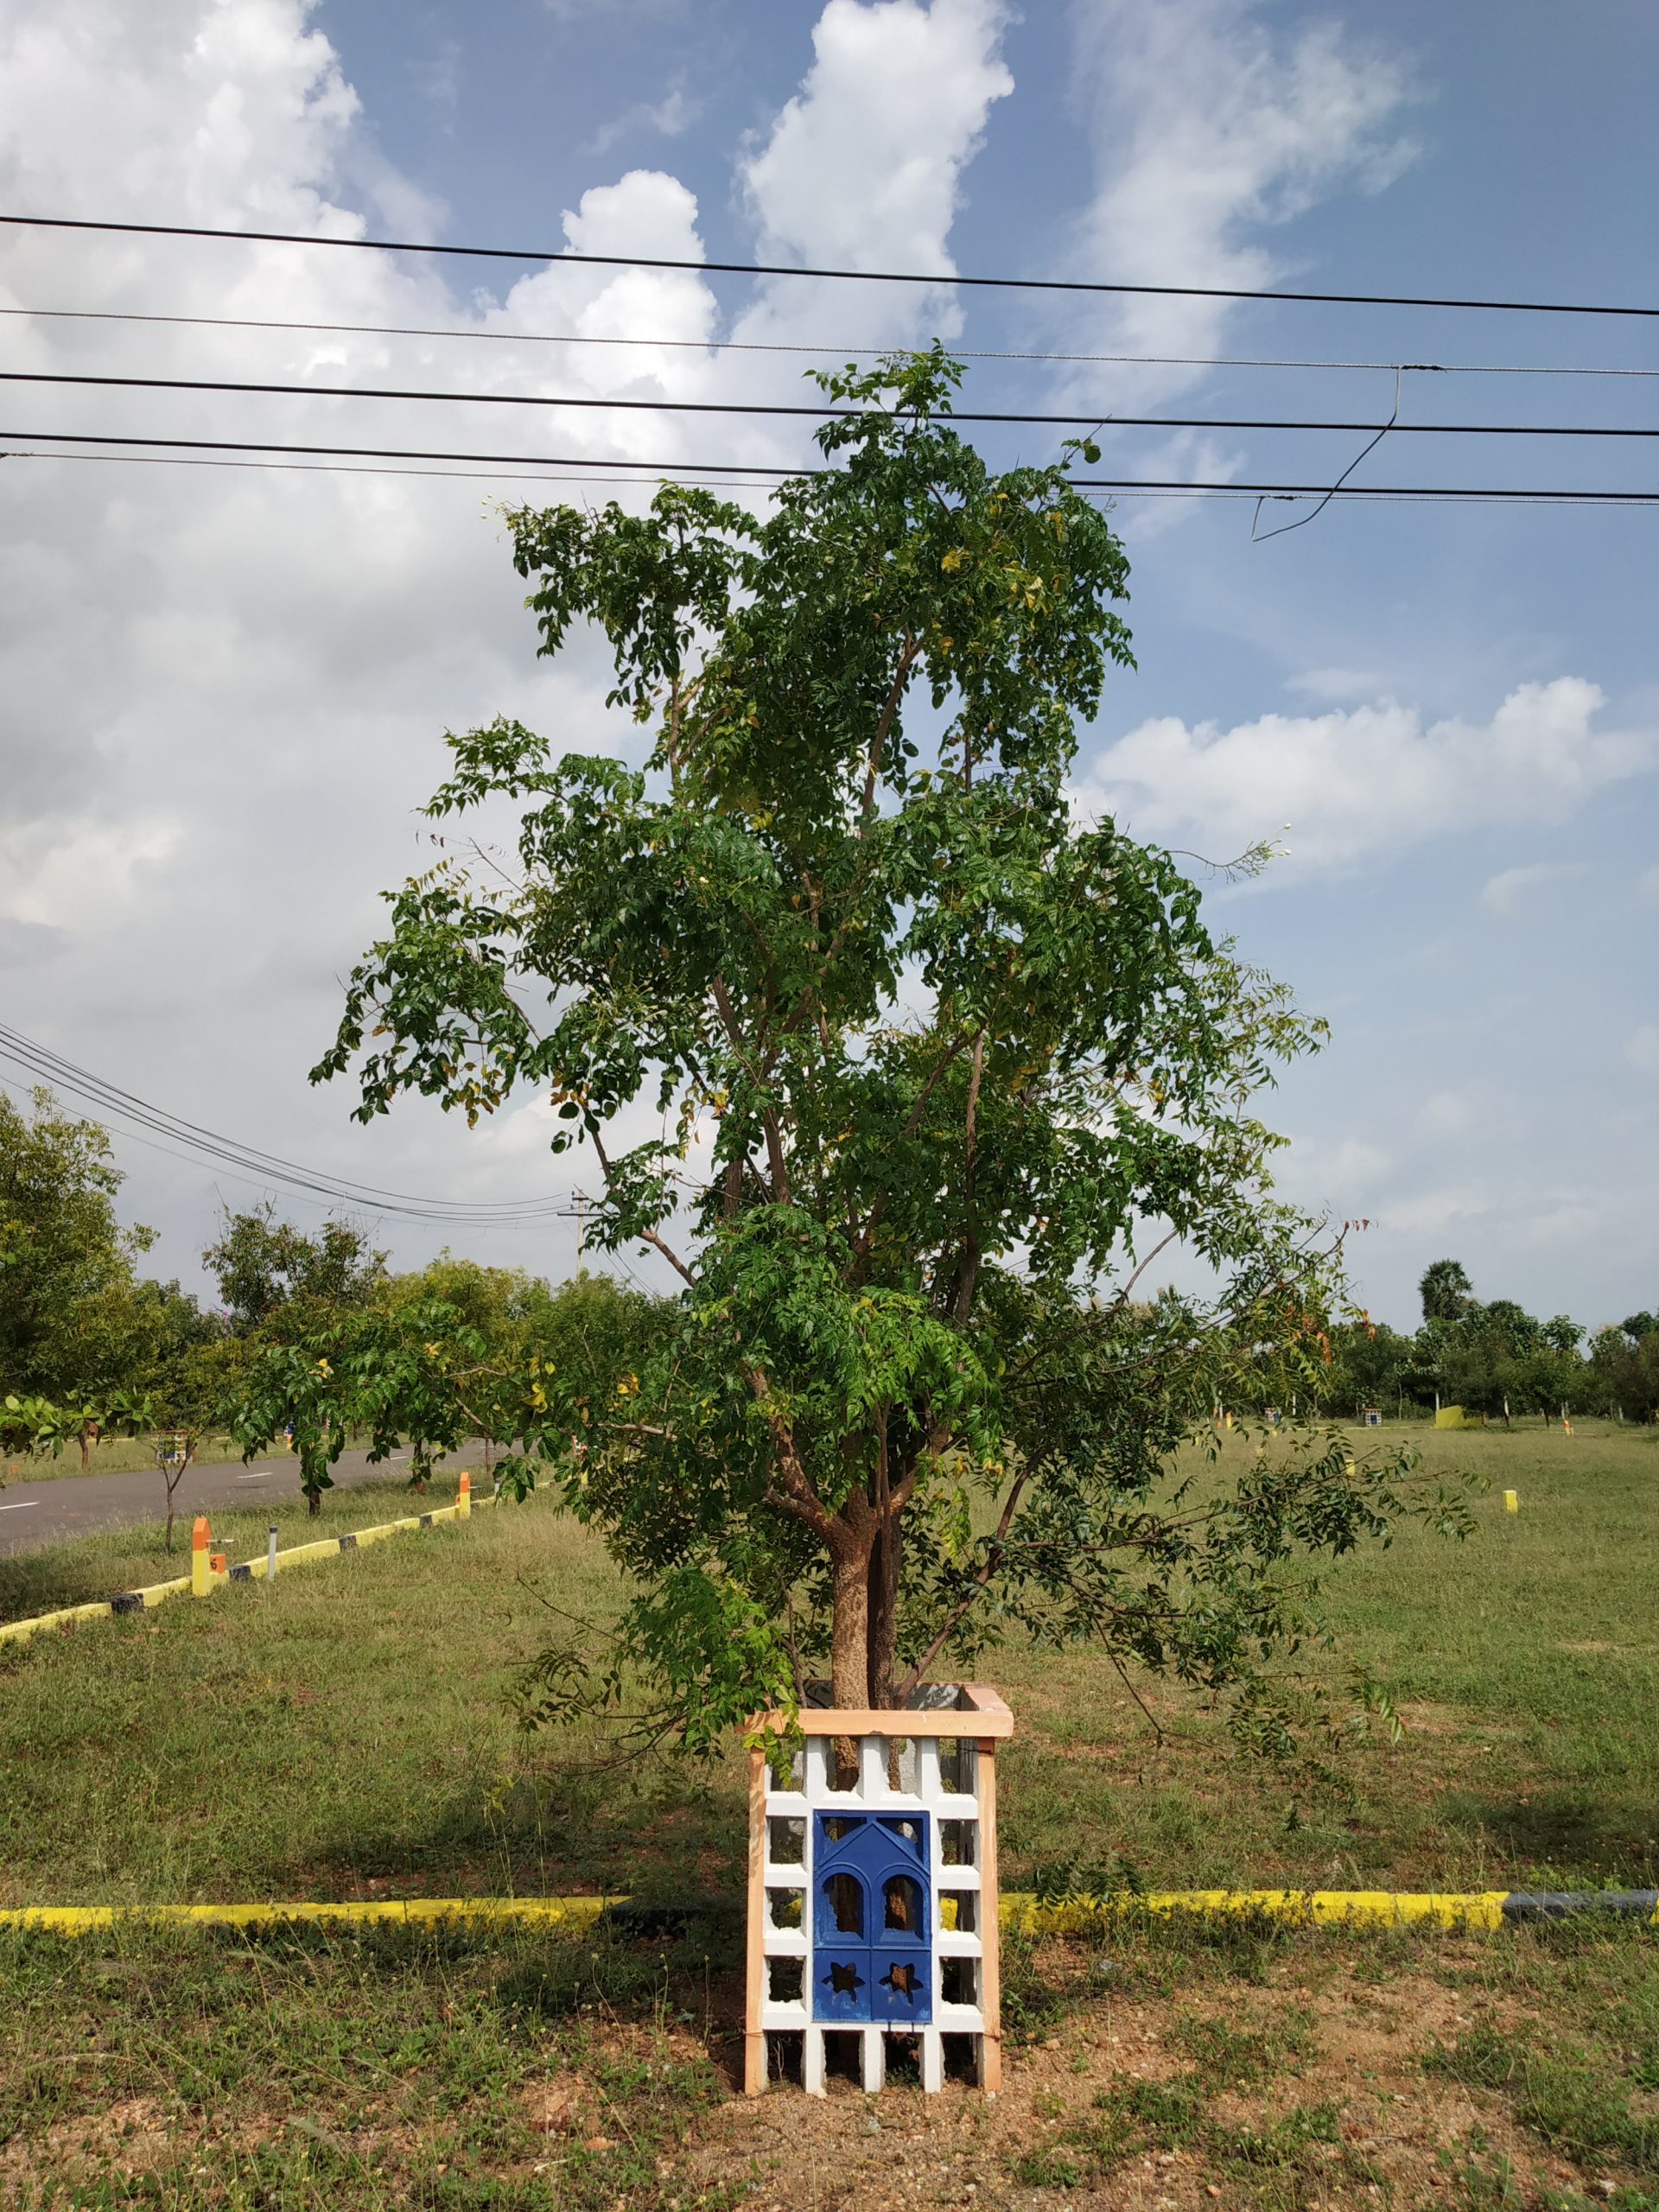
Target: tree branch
992	1560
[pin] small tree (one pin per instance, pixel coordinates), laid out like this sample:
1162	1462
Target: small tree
940	1070
303	1392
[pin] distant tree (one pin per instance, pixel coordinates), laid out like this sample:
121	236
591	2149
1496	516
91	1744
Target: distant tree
1562	1333
506	1360
1638	1326
1371	1365
1626	1367
71	1319
272	1277
1446	1291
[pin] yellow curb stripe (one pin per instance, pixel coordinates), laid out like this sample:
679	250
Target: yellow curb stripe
1019	1910
326	1548
1325	1908
90	1919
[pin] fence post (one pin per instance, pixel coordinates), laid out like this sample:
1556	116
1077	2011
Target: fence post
200	1572
270	1553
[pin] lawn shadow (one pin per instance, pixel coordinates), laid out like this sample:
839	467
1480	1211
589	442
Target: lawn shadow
1566	1838
662	1832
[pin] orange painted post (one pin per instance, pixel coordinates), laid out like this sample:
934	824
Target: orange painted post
200	1566
464	1496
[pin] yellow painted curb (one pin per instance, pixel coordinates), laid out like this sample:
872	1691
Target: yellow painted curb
88	1919
253	1570
1018	1910
1035	1915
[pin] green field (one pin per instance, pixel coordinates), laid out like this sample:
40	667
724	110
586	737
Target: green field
349	1732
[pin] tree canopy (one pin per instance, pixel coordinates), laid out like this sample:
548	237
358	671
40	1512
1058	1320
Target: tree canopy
906	1073
72	1321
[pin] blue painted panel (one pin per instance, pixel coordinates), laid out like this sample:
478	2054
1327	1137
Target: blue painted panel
871	1918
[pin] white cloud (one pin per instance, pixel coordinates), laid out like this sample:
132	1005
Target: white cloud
862	168
1641	1048
1359	783
87	875
1500	893
669	116
1335	684
1208	127
222	694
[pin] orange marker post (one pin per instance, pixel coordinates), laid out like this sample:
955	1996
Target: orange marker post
464	1497
201	1572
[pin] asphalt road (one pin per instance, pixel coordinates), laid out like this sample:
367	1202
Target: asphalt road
33	1515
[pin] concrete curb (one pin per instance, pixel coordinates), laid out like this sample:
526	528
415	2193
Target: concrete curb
1020	1911
253	1570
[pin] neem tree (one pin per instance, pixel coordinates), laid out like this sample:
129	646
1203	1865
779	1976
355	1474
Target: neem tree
906	1073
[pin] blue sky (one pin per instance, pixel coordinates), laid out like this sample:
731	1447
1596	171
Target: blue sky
221	694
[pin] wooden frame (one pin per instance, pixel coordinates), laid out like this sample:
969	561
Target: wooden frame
979	1715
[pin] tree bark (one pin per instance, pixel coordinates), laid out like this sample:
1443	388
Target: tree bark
849	1633
883	1613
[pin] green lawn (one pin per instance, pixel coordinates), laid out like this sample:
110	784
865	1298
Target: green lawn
349	1732
113	1455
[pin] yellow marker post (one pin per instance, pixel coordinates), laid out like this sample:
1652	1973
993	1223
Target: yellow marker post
464	1497
201	1568
1511	1502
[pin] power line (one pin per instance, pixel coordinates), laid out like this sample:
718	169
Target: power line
851	275
1012	416
1126	487
518	466
247	1159
837	352
341	468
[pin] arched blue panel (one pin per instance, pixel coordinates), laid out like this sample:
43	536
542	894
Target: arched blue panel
871	1918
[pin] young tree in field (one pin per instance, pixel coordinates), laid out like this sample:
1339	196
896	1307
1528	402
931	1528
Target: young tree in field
939	1071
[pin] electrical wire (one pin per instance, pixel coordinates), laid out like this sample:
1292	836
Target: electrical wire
822	414
249	1160
946	278
837	352
1261	537
343	468
1124	488
519	464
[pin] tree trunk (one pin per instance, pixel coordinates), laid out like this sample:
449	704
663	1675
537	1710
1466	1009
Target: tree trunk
883	1613
849	1633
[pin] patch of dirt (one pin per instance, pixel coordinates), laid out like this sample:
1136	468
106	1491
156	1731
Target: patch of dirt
1350	2052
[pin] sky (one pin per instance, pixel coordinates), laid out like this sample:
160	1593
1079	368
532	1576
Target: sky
223	690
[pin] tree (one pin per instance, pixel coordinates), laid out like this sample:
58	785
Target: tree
1369	1366
940	1071
1446	1291
71	1323
274	1279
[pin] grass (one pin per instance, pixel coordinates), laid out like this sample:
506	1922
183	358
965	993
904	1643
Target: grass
350	1733
525	2071
218	1750
1526	1667
111	1455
